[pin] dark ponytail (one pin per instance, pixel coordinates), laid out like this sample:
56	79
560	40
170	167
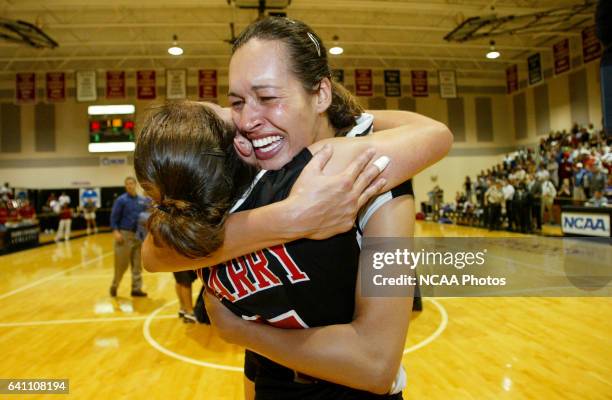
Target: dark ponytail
184	153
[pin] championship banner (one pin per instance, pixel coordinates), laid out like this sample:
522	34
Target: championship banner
86	87
176	84
146	85
393	85
25	87
419	83
534	66
363	82
447	81
512	81
207	84
56	87
115	84
561	53
338	75
591	48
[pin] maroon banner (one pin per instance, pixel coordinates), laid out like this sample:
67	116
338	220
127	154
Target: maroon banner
561	52
145	85
115	84
419	84
207	84
512	82
25	87
591	48
56	87
363	82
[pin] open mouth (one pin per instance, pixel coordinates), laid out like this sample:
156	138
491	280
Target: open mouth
267	147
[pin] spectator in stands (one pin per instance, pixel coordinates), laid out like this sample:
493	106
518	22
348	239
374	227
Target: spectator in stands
467	185
598	200
598	179
548	198
508	191
522	207
4	213
6	193
566	189
535	189
26	212
609	187
65	223
64	199
579	174
552	167
493	202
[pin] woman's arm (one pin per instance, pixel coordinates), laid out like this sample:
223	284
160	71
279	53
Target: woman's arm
364	354
328	206
412	141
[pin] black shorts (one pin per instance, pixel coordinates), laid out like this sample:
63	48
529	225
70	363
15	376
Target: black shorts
185	277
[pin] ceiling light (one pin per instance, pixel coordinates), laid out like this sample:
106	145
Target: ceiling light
336	50
175	50
493	53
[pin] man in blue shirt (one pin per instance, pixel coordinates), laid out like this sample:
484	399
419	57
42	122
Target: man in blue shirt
124	222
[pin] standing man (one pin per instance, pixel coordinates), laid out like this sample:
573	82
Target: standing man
124	222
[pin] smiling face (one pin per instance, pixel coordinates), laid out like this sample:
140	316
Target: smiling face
270	105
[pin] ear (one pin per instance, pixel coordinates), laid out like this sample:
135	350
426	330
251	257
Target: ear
324	95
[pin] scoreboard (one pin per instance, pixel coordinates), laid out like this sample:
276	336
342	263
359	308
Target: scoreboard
111	128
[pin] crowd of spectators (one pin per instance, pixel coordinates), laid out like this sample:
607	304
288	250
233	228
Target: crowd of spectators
518	194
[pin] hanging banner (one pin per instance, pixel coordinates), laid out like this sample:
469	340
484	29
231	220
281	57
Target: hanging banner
419	84
534	66
115	84
447	80
591	48
56	87
338	75
512	81
363	82
176	84
146	88
207	84
25	87
561	53
86	86
393	85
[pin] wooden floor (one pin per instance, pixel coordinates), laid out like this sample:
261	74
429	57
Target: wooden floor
57	321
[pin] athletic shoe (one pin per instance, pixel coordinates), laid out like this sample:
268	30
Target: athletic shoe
189	318
113	291
138	293
181	313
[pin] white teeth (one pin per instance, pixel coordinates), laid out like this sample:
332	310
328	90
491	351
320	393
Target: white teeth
265	141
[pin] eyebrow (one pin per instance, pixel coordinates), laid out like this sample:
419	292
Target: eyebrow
255	87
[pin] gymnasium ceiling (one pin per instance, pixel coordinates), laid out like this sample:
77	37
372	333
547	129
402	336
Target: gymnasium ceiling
112	34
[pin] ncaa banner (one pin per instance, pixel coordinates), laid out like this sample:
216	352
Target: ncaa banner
512	81
534	66
86	86
25	87
56	87
591	48
176	84
393	86
585	224
561	52
146	88
363	82
207	84
115	84
447	82
420	87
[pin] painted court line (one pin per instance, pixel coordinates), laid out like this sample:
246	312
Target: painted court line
50	277
81	321
437	332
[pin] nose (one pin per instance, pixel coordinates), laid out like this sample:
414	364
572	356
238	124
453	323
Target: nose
250	118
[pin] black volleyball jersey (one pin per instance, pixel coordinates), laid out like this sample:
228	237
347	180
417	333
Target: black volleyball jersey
301	284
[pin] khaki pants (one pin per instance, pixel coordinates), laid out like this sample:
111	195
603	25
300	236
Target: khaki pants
128	252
